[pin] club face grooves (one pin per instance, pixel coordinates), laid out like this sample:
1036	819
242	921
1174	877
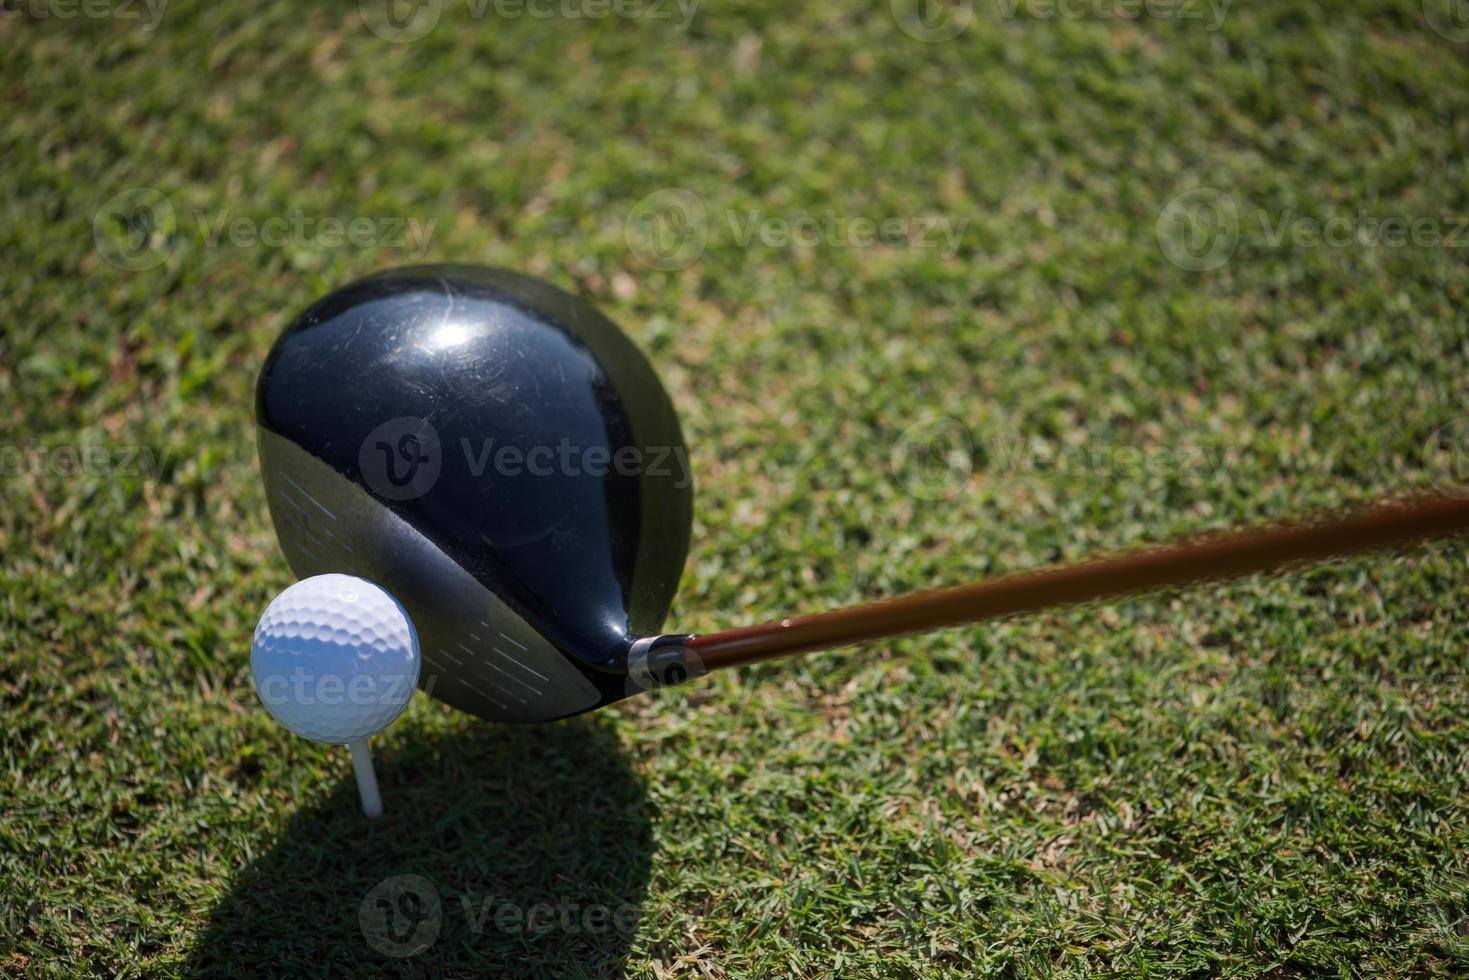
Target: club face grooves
478	654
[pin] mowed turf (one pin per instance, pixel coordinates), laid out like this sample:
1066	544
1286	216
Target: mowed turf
1268	778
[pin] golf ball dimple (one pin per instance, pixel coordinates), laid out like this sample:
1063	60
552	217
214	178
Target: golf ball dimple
335	658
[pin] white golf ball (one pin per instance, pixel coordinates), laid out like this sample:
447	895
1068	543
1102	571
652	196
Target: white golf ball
335	658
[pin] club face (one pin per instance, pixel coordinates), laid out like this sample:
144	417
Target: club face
500	457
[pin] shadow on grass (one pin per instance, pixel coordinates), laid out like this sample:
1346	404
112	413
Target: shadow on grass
508	851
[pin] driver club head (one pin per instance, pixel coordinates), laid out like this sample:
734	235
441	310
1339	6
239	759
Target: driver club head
497	455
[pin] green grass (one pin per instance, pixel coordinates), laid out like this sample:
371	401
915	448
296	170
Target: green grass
1269	778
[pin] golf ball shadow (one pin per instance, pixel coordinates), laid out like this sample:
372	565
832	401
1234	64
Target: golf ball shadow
506	851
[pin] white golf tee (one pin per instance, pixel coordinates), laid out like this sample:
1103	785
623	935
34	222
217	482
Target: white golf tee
372	802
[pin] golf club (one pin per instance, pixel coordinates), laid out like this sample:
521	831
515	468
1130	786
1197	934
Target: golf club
498	456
